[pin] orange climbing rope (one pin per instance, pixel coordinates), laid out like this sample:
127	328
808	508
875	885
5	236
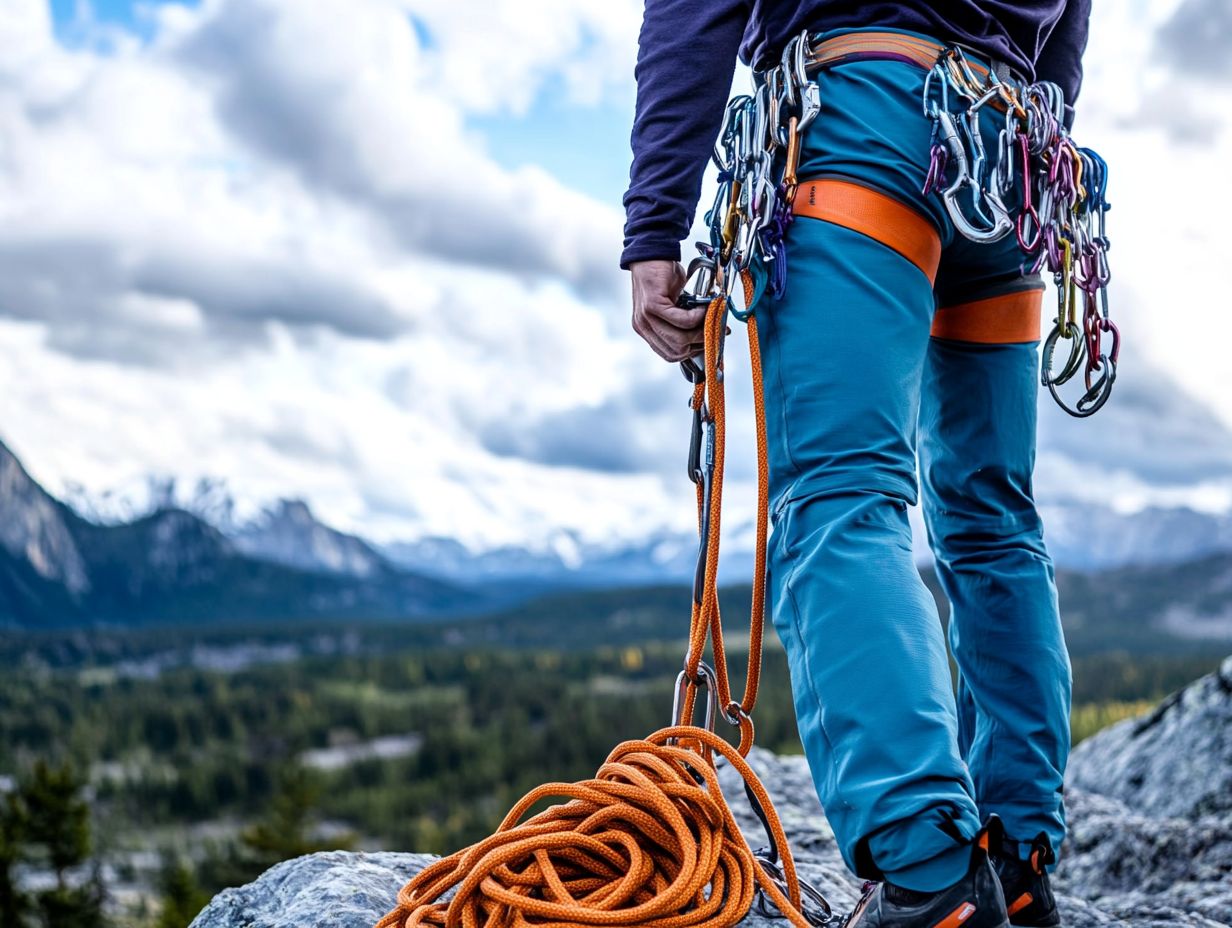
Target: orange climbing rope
709	395
650	840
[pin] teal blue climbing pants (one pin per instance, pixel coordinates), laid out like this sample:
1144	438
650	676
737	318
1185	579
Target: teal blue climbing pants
869	361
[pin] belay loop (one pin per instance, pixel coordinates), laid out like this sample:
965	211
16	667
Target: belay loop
650	839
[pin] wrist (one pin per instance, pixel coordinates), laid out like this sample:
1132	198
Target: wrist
642	252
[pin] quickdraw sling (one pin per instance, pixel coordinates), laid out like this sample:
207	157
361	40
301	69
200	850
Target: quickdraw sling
1061	223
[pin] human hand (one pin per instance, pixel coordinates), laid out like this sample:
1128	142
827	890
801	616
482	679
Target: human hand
674	333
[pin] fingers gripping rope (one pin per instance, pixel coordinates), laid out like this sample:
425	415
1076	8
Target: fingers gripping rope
650	841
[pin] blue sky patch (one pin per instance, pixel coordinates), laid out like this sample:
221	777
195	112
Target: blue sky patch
72	18
585	148
423	34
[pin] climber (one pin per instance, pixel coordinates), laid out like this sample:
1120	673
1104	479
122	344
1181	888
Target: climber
892	324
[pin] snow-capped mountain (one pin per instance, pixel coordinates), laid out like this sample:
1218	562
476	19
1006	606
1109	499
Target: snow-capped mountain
1080	536
1087	537
565	561
34	528
212	500
170	565
283	532
288	533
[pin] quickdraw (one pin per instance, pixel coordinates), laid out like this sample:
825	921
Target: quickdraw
1060	223
752	206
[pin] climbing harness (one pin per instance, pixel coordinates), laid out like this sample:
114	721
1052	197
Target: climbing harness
1061	221
650	840
1063	188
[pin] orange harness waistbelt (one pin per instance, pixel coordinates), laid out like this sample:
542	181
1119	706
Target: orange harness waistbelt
892	46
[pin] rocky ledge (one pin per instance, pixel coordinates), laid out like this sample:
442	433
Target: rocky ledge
1150	807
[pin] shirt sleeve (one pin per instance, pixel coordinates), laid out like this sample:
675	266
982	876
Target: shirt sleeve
1060	61
686	57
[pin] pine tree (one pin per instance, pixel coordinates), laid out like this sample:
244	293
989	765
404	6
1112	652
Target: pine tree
58	818
57	824
13	903
286	831
182	897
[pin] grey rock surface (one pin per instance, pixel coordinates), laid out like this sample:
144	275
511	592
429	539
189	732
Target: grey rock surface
1150	835
1131	864
337	889
1174	761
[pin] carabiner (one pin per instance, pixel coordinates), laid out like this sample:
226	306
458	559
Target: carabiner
707	679
1077	353
931	108
1001	223
814	906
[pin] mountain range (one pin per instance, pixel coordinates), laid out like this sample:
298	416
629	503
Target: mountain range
194	561
58	569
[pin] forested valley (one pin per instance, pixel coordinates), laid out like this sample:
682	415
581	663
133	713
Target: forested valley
143	771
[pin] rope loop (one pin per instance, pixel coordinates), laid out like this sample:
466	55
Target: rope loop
649	841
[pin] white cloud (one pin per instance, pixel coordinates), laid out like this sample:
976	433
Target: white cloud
267	246
581	49
1168	188
299	272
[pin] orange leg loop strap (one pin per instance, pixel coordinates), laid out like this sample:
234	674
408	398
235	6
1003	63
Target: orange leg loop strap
1011	318
875	214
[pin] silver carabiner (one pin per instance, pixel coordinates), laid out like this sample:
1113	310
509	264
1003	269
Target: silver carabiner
931	107
814	906
707	679
1001	223
810	104
785	66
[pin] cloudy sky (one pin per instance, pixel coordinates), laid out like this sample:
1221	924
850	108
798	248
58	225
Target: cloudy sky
364	252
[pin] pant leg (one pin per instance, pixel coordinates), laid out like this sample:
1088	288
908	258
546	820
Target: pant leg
977	453
843	357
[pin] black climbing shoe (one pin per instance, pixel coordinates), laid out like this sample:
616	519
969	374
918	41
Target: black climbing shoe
1028	894
975	901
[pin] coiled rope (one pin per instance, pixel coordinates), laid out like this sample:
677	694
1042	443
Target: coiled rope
649	841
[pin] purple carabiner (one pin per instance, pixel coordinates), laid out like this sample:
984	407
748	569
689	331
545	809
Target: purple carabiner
938	157
1028	216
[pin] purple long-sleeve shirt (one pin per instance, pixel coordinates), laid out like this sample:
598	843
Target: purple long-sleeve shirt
687	54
